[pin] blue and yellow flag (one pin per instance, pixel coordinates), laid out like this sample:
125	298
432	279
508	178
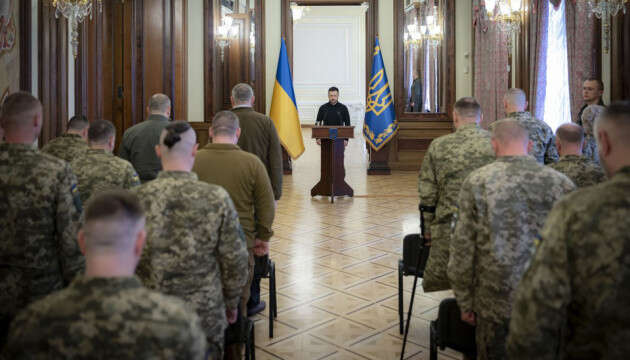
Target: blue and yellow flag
284	111
380	117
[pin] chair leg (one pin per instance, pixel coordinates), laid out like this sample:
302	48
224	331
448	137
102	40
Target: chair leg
433	348
273	309
400	297
252	342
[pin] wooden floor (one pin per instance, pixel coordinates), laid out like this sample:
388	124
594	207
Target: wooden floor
336	267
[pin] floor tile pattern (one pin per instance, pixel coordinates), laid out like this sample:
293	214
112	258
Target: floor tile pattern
336	267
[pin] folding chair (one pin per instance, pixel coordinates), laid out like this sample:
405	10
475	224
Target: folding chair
448	330
266	269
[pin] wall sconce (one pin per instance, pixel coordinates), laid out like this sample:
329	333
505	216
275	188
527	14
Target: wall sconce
225	33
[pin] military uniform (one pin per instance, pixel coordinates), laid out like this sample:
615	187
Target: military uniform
66	147
589	150
39	216
582	171
573	301
195	248
448	161
106	318
502	206
541	136
98	170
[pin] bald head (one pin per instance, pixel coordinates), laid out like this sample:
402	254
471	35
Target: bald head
509	138
113	221
21	113
225	123
515	100
160	104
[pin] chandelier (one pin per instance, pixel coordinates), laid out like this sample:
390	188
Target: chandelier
298	12
604	10
75	11
430	31
508	14
225	33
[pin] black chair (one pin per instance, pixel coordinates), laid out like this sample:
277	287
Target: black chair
250	344
413	252
448	330
265	268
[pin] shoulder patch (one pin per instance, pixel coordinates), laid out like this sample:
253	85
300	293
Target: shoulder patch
538	240
74	190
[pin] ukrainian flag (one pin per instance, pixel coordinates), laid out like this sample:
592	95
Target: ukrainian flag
284	108
380	118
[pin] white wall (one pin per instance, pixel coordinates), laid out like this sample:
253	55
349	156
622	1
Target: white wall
194	83
329	50
463	49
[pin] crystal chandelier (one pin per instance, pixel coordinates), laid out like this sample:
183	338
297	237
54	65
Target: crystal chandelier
298	11
75	11
225	33
508	14
604	10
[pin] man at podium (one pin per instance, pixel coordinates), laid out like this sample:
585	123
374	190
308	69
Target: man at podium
333	113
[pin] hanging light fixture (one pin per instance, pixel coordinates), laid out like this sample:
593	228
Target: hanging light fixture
604	10
298	11
75	11
508	14
432	31
225	33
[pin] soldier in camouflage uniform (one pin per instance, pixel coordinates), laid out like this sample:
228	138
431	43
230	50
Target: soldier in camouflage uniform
543	144
573	301
501	208
107	313
581	170
71	144
448	161
98	169
39	213
589	115
195	246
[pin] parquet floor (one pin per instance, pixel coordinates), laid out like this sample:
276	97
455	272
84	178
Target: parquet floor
336	267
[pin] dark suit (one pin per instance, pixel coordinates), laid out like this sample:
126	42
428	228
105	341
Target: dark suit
416	96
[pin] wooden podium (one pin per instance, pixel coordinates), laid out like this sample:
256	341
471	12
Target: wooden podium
332	181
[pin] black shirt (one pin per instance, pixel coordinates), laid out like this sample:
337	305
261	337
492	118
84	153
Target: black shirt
333	115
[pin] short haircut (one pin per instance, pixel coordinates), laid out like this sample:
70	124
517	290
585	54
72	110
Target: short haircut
159	103
570	133
509	130
616	117
112	220
225	123
78	123
468	107
18	108
333	88
515	97
100	131
599	81
178	137
242	93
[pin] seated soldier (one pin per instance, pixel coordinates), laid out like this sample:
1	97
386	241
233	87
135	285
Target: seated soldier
107	313
580	169
245	178
98	169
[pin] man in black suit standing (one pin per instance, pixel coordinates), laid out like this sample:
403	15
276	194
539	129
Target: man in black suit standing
333	113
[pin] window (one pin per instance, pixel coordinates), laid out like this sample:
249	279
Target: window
557	101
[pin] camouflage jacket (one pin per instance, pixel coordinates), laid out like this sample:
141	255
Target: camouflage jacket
39	217
502	206
106	318
448	161
98	170
195	247
581	170
66	147
572	302
541	136
590	148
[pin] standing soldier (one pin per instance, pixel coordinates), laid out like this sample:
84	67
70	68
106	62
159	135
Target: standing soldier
71	144
39	213
581	170
543	145
98	169
107	313
573	301
195	246
502	206
448	161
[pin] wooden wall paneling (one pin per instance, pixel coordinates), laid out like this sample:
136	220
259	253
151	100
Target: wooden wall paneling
153	47
209	55
25	46
259	82
201	129
135	74
179	53
620	58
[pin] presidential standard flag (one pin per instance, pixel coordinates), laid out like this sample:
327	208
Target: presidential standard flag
380	118
284	108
